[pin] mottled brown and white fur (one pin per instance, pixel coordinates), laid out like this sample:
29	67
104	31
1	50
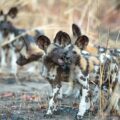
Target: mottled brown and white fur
7	35
77	71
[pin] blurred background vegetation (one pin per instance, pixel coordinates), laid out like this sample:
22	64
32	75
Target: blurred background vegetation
99	19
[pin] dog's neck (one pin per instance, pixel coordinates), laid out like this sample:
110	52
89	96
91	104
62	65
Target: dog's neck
83	63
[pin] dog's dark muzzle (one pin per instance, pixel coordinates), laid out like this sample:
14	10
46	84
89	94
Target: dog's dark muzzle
67	59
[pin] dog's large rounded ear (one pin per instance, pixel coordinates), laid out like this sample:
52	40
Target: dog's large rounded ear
43	41
82	42
58	37
76	30
62	37
13	12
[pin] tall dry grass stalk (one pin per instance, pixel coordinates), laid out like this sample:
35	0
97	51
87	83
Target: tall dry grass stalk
117	38
114	101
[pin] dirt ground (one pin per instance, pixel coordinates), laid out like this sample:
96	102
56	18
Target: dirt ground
29	100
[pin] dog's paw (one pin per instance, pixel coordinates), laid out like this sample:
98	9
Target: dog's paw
87	112
78	117
57	112
94	111
48	116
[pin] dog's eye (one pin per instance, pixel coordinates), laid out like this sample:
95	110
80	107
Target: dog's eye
74	52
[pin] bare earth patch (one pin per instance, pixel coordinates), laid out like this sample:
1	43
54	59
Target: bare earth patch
29	101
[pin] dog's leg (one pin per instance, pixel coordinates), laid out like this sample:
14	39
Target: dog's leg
112	76
53	101
44	71
3	58
84	101
60	95
95	99
13	61
13	64
95	94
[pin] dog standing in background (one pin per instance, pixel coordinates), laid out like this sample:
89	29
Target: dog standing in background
25	47
7	33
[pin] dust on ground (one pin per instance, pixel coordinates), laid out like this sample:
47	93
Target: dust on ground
29	101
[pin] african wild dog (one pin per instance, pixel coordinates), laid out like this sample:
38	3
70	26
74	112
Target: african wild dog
80	68
82	42
108	67
113	82
25	46
54	65
68	65
111	66
106	74
6	34
114	67
29	52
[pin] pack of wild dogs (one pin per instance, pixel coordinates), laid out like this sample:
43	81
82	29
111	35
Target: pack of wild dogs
67	59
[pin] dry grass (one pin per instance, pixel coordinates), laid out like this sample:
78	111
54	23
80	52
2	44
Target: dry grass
88	14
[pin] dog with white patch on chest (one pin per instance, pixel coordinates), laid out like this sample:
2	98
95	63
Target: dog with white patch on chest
68	65
80	68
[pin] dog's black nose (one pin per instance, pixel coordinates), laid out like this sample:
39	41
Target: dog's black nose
67	57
